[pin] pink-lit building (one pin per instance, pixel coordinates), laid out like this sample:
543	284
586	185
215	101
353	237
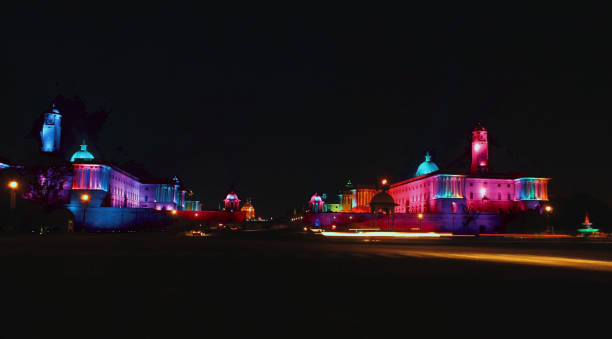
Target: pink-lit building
478	190
473	201
231	202
316	203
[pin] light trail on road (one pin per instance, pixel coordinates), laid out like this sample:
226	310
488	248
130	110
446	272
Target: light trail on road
523	259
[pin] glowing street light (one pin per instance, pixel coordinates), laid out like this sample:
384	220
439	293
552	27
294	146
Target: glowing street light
548	209
85	201
13	185
173	212
420	217
384	182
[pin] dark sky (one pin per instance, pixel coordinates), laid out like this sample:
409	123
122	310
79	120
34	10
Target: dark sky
283	102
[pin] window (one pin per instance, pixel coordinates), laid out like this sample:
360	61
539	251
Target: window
509	196
471	184
498	185
471	195
498	195
508	185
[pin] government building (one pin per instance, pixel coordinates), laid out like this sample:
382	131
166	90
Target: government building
474	201
103	197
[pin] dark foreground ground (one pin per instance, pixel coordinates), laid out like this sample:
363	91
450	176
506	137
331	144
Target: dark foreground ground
281	284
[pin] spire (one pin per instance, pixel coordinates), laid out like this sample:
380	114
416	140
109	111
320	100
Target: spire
427	157
84	146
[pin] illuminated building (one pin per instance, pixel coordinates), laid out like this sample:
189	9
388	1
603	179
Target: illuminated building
331	207
478	190
248	209
356	198
232	203
193	205
51	131
316	204
475	201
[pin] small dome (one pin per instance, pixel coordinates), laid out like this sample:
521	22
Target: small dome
231	196
83	154
382	198
316	198
54	109
426	166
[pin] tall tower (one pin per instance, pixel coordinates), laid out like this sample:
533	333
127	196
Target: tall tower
480	150
51	131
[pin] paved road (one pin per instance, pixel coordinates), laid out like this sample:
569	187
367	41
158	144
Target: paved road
142	285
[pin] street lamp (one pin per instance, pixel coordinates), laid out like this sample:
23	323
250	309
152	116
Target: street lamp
548	209
85	201
420	216
13	185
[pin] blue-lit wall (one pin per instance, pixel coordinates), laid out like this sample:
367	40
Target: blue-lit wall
115	219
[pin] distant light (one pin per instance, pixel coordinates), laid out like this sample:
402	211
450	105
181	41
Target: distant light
482	163
483	191
333	227
173	212
384	182
548	208
476	147
420	215
13	184
85	197
196	214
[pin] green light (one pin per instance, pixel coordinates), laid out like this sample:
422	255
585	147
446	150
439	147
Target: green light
588	230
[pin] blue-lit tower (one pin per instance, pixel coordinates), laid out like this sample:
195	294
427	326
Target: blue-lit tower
51	131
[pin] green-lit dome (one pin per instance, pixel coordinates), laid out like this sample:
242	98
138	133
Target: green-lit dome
426	166
83	154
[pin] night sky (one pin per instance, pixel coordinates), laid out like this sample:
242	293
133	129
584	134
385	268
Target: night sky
284	102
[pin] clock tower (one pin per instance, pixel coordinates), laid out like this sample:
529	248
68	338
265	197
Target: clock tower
51	131
480	151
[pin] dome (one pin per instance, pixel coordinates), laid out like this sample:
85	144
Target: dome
83	154
382	202
382	198
231	196
426	166
316	198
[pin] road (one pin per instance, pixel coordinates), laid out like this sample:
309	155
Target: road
292	285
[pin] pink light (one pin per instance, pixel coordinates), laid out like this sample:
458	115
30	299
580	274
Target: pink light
477	147
482	163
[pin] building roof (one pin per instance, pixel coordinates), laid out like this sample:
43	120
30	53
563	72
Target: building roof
426	166
382	198
83	154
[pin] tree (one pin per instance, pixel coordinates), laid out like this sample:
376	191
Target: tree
47	185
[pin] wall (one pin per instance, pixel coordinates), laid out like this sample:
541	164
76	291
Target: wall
114	219
458	223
